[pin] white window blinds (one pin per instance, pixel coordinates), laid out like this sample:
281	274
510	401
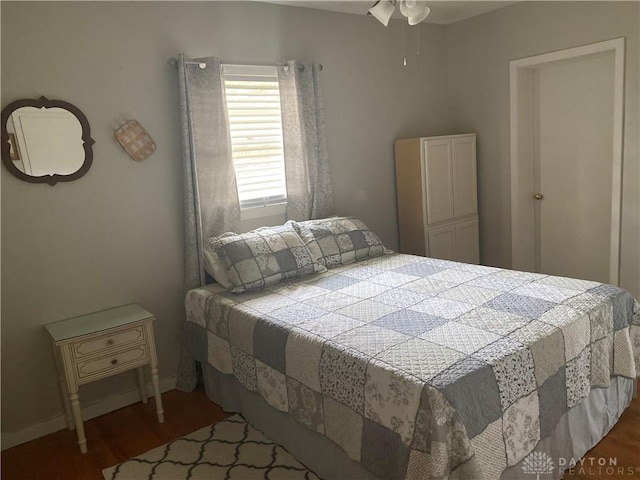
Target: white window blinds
255	121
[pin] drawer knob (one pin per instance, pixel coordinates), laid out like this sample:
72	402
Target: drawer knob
114	361
110	341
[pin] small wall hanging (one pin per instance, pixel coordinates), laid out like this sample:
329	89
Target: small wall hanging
135	140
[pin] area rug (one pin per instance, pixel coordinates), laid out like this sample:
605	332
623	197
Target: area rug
231	449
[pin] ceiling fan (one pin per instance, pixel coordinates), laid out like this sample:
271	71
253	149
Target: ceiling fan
415	10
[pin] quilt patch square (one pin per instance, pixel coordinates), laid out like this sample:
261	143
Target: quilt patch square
267	304
492	460
561	315
578	378
392	279
460	337
548	355
441	307
333	282
392	399
331	325
269	345
456	276
244	368
410	322
408	357
469	294
471	375
343	376
399	297
428	286
551	293
272	385
344	427
367	310
498	349
577	336
583	303
241	329
498	282
623	358
219	353
515	376
305	405
297	313
364	289
330	301
521	305
422	269
532	332
492	320
370	339
553	395
601	366
601	319
303	352
521	428
383	452
571	283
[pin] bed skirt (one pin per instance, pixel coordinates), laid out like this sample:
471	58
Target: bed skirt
579	430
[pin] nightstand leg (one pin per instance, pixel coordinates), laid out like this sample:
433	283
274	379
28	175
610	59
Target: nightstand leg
142	385
75	407
63	389
156	392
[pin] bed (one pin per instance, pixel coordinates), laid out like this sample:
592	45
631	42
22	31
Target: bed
397	366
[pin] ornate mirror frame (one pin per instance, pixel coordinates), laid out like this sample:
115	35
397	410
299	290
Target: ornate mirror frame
44	102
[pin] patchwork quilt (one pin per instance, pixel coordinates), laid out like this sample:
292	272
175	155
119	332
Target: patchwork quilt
424	368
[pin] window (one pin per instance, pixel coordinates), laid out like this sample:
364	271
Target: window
255	122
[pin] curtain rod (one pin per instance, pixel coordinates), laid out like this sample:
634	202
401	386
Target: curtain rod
174	63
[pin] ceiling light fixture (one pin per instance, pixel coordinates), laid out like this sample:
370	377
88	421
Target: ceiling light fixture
415	10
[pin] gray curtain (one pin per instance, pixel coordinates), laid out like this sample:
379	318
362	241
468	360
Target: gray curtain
309	190
211	203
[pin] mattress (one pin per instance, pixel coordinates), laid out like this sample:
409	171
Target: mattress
423	368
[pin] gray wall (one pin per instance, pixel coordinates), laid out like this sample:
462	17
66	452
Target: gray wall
115	236
479	51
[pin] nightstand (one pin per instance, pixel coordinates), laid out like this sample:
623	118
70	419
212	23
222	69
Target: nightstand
101	344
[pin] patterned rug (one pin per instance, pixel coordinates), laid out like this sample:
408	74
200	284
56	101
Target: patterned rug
231	449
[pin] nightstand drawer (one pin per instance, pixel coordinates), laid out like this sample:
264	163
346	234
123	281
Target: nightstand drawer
107	342
104	366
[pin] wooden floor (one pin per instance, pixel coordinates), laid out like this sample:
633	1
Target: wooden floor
111	439
131	431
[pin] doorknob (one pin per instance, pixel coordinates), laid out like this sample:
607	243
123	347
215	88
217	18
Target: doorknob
538	196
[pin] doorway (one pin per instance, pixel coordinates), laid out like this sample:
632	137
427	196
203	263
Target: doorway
566	161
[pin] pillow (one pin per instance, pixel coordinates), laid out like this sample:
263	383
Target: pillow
262	257
339	241
214	267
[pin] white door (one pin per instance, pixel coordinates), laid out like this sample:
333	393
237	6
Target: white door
439	184
465	196
467	242
572	152
442	242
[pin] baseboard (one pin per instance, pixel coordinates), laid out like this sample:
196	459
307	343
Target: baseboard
59	422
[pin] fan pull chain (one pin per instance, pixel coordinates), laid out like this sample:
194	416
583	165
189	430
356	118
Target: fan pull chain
418	35
404	47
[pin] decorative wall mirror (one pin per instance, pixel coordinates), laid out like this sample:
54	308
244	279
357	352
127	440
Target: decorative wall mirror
45	141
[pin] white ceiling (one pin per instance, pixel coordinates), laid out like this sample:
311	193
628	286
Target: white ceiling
442	12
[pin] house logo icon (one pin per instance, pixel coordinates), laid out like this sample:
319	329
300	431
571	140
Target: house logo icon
538	463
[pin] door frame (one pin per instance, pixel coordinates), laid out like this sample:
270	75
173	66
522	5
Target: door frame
522	161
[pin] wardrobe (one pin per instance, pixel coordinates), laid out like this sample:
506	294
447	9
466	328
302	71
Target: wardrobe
436	181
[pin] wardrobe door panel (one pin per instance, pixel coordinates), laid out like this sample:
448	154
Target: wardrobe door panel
439	183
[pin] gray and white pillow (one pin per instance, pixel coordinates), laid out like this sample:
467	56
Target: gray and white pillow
262	257
339	241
